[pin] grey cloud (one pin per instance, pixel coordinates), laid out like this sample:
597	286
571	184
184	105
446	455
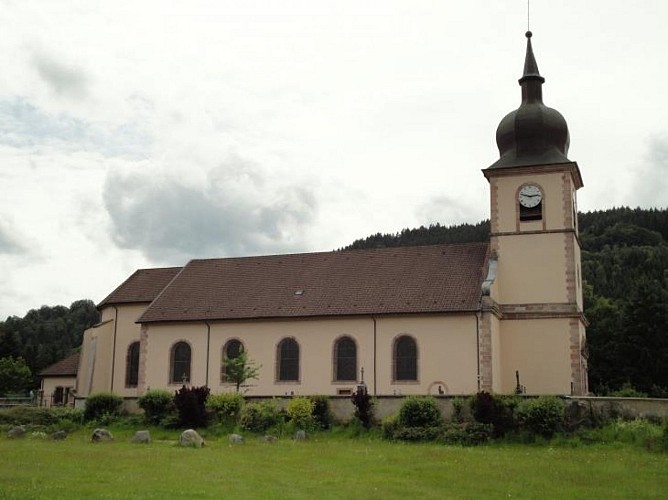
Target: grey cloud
650	187
171	223
23	125
9	243
65	80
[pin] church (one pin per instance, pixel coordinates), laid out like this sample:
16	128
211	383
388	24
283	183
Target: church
501	316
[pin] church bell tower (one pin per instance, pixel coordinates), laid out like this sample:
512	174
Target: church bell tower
539	332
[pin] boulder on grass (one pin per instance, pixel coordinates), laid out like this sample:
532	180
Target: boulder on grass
235	439
142	437
300	435
59	435
190	437
16	432
269	438
100	435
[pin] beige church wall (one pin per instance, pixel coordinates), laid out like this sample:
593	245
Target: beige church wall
529	279
446	353
127	332
540	350
507	207
159	341
316	339
94	373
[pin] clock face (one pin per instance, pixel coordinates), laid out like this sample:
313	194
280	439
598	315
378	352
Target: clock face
530	196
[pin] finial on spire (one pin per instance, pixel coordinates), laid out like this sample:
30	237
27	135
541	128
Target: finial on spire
530	65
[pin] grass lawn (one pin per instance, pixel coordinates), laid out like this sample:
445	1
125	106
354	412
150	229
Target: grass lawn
324	466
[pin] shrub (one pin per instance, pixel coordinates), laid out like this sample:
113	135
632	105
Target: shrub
226	406
300	411
322	412
103	405
424	433
542	416
258	417
627	391
459	405
420	412
43	417
190	406
496	411
363	407
389	426
466	434
664	437
157	404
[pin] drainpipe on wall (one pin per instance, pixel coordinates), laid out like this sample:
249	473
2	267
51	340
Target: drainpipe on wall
208	344
113	352
477	338
374	354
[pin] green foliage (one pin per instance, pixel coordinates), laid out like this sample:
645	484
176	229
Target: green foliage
300	411
627	391
664	437
459	405
542	416
466	433
322	412
46	335
42	417
102	405
389	426
157	404
259	417
240	369
422	433
363	407
15	376
497	411
226	406
190	403
420	411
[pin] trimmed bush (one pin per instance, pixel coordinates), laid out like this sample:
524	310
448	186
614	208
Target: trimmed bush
389	426
258	417
322	412
300	411
226	406
157	404
417	433
542	416
103	405
467	433
420	411
41	417
190	404
496	411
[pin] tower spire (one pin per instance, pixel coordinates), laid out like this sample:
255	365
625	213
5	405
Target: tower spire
533	134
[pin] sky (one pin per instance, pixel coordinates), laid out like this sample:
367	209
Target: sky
138	134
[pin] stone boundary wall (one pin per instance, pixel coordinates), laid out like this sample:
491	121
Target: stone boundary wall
342	407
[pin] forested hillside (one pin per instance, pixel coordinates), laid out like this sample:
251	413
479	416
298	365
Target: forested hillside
46	335
625	270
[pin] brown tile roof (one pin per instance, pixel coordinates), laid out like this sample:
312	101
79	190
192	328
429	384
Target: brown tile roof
63	368
440	278
143	286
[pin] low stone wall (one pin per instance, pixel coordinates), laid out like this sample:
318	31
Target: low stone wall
342	407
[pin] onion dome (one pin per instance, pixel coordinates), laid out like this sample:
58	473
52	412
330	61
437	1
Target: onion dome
533	134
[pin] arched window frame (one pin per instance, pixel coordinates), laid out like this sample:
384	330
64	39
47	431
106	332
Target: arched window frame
401	361
284	372
132	365
342	373
224	355
185	364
